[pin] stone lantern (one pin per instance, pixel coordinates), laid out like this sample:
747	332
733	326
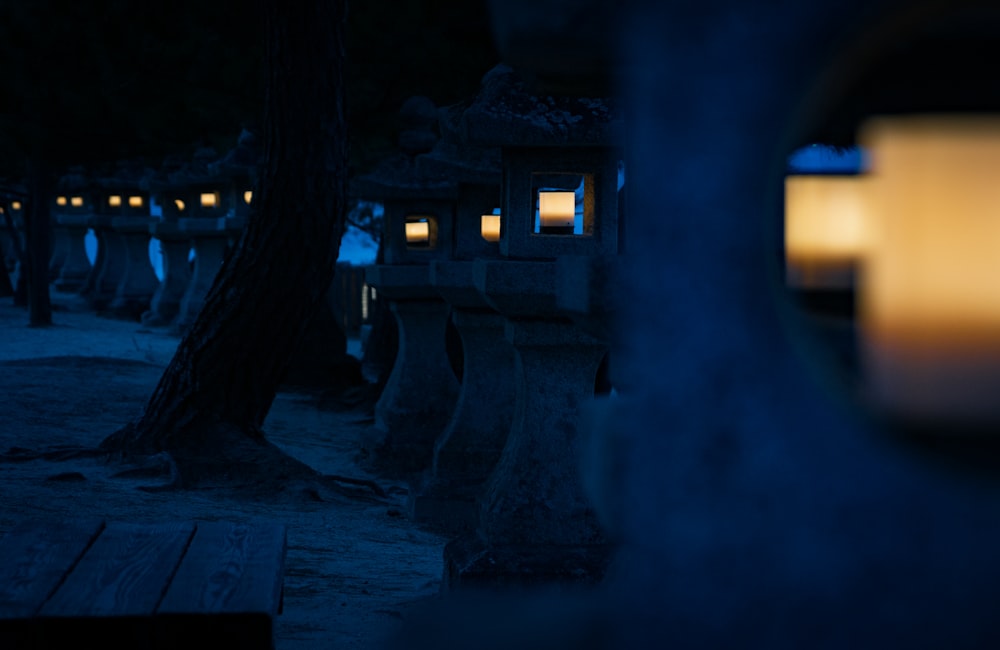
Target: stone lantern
468	449
203	220
175	245
71	212
125	281
561	161
418	220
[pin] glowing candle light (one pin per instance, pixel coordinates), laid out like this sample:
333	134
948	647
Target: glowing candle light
490	227
115	201
418	233
556	212
179	204
61	200
827	230
248	196
209	199
930	309
76	201
135	201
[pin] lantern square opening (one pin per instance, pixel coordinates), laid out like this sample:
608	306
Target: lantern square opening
563	204
421	231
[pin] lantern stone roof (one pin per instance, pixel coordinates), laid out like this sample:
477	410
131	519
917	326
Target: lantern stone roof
505	113
457	159
74	180
128	174
400	176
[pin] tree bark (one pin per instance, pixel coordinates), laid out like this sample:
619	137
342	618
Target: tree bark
222	380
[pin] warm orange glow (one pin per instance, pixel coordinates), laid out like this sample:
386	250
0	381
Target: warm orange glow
179	204
114	201
828	229
60	200
209	199
76	201
15	205
556	209
418	232
247	197
489	227
930	305
135	201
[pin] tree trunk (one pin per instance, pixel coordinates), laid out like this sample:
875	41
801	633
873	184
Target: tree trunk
221	382
38	233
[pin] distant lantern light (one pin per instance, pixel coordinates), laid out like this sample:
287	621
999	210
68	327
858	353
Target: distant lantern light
556	212
76	201
209	199
15	205
115	201
418	232
179	204
929	310
61	200
828	229
490	227
247	196
135	201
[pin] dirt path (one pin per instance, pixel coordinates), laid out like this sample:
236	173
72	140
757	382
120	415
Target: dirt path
354	566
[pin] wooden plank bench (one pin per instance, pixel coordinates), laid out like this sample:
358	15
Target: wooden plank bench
119	585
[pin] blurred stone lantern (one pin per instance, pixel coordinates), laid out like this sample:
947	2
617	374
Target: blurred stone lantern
467	450
125	281
73	205
418	227
560	197
929	307
205	221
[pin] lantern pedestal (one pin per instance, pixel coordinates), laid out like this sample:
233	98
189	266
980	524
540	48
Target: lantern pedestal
75	266
535	524
60	249
112	258
468	450
175	246
209	239
138	282
420	393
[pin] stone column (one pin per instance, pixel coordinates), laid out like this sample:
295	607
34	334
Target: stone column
60	248
420	394
166	302
139	281
536	525
76	266
111	261
468	450
209	239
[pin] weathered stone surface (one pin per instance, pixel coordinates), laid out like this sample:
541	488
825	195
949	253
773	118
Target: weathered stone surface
533	512
175	246
420	394
505	112
76	265
209	239
138	284
468	449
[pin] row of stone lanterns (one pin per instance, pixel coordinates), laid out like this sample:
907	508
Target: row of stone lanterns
505	463
203	206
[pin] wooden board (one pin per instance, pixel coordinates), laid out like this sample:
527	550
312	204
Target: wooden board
140	587
37	556
125	572
229	568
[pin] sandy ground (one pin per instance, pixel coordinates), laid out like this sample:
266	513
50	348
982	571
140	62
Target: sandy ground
355	568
